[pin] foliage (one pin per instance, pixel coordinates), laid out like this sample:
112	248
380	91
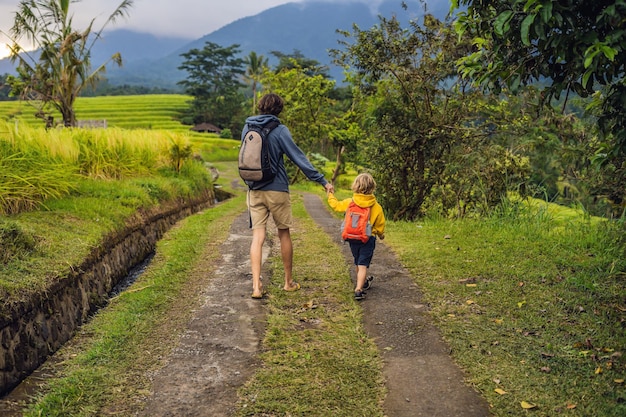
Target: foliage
255	65
573	45
103	88
418	109
63	68
213	80
179	152
5	88
226	134
297	60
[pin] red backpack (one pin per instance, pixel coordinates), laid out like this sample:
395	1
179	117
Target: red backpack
356	223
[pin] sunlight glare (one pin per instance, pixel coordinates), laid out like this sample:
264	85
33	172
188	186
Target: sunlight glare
4	50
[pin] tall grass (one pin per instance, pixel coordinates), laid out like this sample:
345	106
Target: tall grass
38	164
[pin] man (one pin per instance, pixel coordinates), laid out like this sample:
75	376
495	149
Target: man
273	196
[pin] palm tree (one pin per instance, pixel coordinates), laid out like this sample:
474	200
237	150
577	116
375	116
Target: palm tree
63	67
255	66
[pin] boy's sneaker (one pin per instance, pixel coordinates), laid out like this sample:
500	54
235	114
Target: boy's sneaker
359	295
368	283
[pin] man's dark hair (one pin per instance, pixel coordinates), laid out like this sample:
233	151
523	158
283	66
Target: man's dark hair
270	104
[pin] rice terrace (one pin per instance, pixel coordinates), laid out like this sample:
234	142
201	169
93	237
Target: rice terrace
499	289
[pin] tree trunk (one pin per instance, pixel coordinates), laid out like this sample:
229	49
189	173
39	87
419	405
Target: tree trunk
338	165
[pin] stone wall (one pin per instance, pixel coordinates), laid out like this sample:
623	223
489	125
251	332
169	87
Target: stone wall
32	331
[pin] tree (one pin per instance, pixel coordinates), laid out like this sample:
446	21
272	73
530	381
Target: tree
5	88
418	108
573	45
214	80
298	60
63	67
255	65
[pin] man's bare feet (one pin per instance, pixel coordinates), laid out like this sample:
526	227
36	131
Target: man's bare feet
294	287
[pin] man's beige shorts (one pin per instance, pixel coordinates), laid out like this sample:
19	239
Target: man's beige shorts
262	203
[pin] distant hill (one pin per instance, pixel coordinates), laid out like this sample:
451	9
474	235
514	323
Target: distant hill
308	27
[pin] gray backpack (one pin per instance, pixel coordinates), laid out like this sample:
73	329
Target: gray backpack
254	155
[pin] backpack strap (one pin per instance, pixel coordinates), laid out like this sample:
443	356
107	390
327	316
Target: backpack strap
270	126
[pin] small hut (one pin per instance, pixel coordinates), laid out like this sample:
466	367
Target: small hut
206	128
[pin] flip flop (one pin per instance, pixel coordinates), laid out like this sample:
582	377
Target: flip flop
258	297
294	287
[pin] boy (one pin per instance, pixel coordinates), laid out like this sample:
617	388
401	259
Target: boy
363	188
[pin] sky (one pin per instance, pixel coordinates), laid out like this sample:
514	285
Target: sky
190	19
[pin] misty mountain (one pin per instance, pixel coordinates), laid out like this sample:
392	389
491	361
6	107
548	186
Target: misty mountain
310	28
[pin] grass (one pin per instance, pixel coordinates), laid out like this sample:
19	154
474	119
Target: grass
532	305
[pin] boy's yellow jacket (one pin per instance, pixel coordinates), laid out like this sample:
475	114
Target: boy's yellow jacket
377	217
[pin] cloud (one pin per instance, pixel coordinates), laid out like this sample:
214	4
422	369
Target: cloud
181	18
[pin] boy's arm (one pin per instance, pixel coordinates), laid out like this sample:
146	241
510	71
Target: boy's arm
378	225
336	204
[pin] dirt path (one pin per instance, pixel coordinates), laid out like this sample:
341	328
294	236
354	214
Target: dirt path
217	352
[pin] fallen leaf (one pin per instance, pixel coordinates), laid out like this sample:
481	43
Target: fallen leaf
571	406
500	391
469	302
521	304
471	285
546	369
618	381
451	315
598	370
526	405
499	321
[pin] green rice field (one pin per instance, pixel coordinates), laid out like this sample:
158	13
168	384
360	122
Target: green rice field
158	111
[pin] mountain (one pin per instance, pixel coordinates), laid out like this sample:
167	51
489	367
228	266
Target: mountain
309	27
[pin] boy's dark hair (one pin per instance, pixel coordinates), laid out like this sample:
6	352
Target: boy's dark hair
270	104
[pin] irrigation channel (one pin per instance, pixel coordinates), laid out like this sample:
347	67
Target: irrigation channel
35	330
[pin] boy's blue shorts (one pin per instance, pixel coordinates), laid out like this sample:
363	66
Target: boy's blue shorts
363	252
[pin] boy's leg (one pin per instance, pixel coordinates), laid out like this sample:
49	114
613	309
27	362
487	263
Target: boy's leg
361	274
